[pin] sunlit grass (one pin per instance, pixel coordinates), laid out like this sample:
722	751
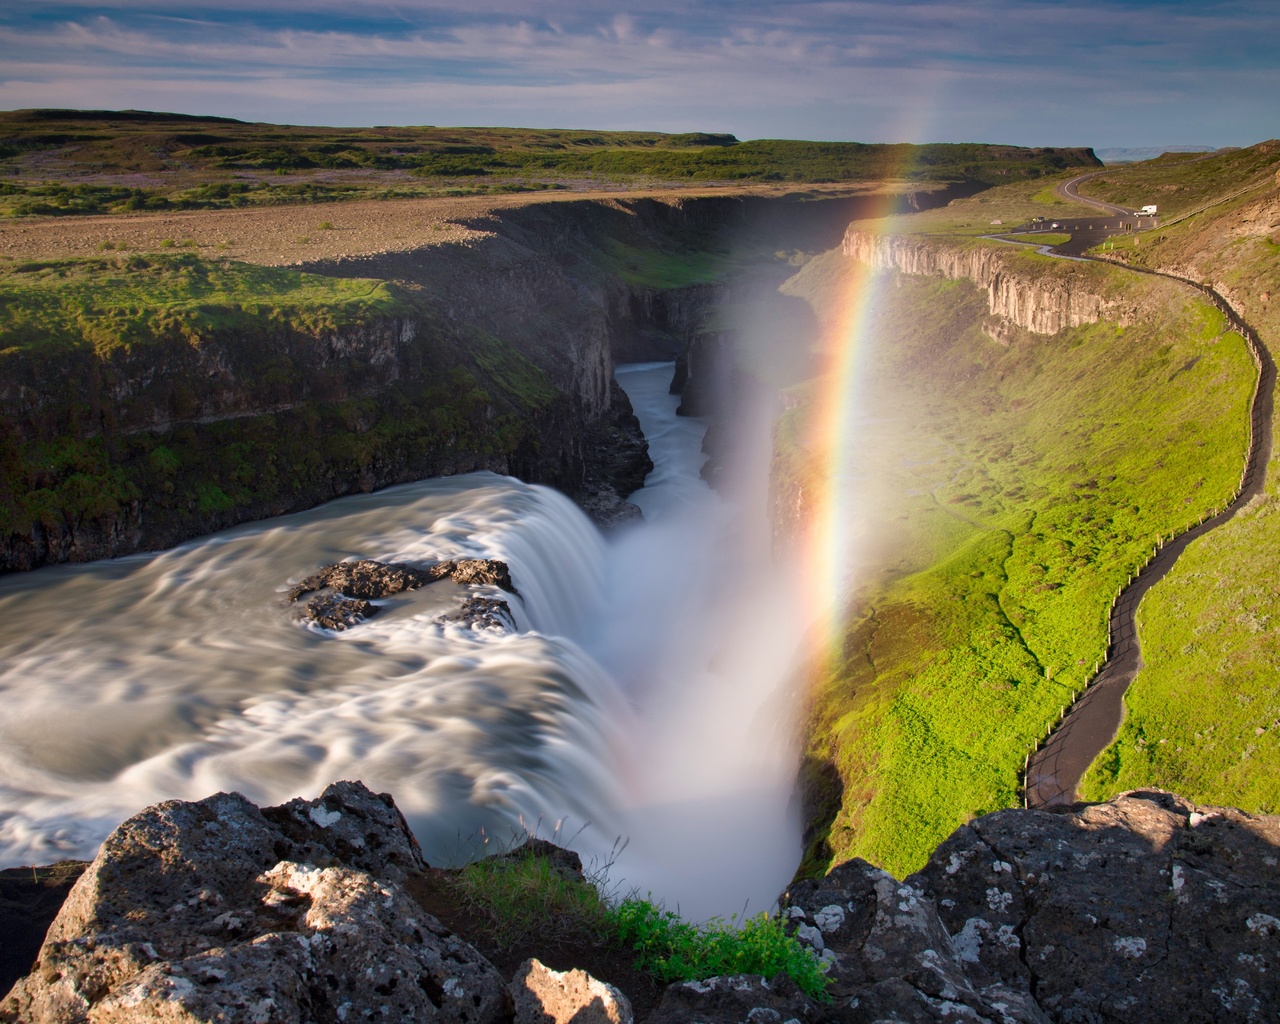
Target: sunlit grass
1203	716
516	898
1010	490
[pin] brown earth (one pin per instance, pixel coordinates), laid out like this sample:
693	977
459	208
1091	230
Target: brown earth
302	233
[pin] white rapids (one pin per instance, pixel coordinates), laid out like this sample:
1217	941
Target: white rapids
644	695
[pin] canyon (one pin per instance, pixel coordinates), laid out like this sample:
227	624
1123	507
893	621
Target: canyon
498	355
1068	935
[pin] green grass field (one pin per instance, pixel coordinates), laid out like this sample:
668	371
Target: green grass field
123	301
1009	491
1203	716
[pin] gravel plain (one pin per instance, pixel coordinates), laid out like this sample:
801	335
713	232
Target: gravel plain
303	233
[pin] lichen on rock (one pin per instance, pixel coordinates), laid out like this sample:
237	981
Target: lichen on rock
215	910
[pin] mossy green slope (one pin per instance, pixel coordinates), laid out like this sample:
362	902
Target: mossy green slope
1203	716
1012	490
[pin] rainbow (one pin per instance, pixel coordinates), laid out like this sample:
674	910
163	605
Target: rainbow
832	441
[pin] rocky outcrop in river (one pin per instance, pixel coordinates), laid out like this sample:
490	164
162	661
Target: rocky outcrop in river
1143	909
344	591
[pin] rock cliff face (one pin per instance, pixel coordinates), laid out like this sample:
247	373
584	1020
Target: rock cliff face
1067	294
157	387
502	360
1144	909
652	324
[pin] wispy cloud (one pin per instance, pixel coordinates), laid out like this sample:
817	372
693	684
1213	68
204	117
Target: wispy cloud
1032	71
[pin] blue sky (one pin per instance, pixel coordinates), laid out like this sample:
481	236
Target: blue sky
1028	72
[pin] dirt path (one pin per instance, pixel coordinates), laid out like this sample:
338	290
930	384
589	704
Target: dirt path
304	233
1055	769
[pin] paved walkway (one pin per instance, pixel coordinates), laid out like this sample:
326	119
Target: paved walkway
1054	771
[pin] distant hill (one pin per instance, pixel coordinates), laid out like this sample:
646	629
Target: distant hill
1131	155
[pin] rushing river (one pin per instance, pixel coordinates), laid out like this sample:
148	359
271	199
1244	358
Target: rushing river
642	698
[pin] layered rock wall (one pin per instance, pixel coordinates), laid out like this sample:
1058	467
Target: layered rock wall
1045	300
503	361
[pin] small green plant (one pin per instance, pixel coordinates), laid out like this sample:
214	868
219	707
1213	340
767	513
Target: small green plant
325	225
523	894
672	949
519	897
167	243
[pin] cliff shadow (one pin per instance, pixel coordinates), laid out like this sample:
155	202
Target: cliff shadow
820	791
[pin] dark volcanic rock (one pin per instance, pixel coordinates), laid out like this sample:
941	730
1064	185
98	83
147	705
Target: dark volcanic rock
564	862
348	825
346	588
890	956
486	613
481	572
369	580
333	611
1143	909
214	911
616	463
737	998
544	996
1146	908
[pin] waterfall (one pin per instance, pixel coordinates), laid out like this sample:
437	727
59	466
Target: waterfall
642	694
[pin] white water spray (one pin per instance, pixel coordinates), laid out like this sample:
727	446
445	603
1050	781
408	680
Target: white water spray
645	691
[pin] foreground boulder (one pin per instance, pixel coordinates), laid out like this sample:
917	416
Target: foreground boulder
889	956
216	911
1143	909
746	998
